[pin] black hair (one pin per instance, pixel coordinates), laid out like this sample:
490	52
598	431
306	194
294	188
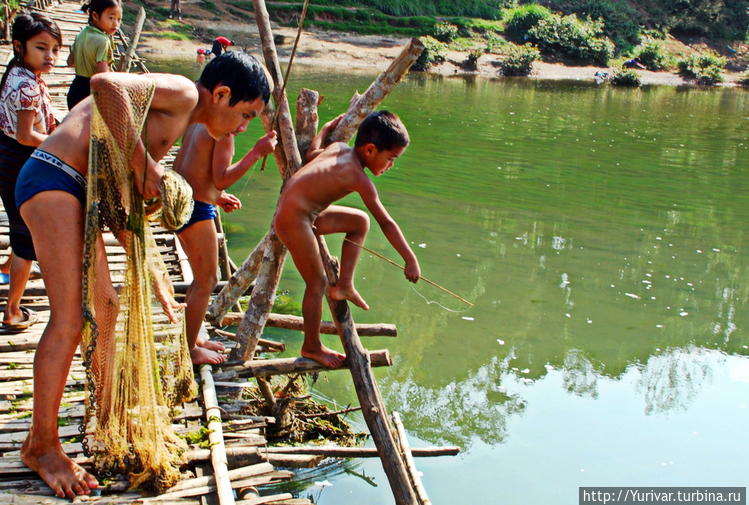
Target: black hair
26	26
384	129
241	72
99	6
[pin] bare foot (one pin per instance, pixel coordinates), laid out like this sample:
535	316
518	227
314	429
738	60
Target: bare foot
210	344
62	475
350	294
201	355
326	357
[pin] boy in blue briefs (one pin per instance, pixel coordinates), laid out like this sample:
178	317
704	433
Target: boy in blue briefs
206	164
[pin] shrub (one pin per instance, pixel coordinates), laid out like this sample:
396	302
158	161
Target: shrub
626	77
621	22
434	53
570	37
710	76
705	67
744	81
445	32
519	60
472	62
521	19
652	56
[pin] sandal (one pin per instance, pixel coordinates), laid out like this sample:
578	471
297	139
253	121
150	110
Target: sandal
30	318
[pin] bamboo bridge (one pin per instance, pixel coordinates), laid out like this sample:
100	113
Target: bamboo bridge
239	459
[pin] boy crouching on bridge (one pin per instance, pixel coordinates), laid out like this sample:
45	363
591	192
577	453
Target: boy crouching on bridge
305	211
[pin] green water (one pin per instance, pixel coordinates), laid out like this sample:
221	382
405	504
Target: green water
601	234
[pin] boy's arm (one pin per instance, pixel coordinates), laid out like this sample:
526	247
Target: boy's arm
224	174
173	96
315	147
390	228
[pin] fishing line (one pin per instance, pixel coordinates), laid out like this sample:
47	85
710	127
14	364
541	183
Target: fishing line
428	281
438	304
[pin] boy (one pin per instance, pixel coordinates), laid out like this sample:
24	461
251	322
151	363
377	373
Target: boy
205	163
305	210
50	195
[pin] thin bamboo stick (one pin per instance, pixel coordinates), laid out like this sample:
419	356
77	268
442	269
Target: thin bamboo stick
421	493
216	438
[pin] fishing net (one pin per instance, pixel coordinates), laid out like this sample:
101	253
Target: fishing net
137	361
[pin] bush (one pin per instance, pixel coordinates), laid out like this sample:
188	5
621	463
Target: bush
495	44
434	53
705	67
626	77
472	62
519	60
744	81
521	19
652	56
621	22
570	37
445	32
710	76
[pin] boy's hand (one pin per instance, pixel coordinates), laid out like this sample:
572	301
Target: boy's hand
229	202
412	271
266	144
331	125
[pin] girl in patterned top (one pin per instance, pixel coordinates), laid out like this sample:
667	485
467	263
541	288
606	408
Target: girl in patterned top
25	121
93	49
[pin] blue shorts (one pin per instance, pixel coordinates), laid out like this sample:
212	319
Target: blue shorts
47	172
201	211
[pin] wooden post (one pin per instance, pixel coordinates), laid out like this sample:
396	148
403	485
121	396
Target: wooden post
307	118
421	493
216	438
373	408
130	53
376	93
274	254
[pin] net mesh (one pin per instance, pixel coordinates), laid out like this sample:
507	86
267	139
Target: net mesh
138	362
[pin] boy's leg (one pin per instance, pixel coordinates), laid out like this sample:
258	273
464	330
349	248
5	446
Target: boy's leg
299	239
55	219
200	242
20	269
355	224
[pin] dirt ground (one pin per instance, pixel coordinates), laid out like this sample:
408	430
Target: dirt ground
354	52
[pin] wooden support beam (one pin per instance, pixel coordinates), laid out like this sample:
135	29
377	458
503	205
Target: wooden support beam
130	53
307	118
376	93
283	366
216	439
290	322
373	408
421	493
359	452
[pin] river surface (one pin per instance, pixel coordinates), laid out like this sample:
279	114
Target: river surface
602	234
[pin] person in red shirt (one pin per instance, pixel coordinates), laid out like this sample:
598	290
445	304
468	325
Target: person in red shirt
219	45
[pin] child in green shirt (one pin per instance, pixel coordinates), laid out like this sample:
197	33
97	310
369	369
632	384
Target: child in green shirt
93	49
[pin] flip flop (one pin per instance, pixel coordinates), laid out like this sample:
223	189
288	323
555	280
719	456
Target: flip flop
4	278
31	318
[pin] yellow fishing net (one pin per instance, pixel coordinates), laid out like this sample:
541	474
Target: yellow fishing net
137	361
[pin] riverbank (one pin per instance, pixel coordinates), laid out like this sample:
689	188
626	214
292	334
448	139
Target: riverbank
365	53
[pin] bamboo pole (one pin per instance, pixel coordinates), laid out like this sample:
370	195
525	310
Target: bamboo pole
284	366
373	408
216	439
359	452
274	255
307	118
376	93
421	493
130	53
290	322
